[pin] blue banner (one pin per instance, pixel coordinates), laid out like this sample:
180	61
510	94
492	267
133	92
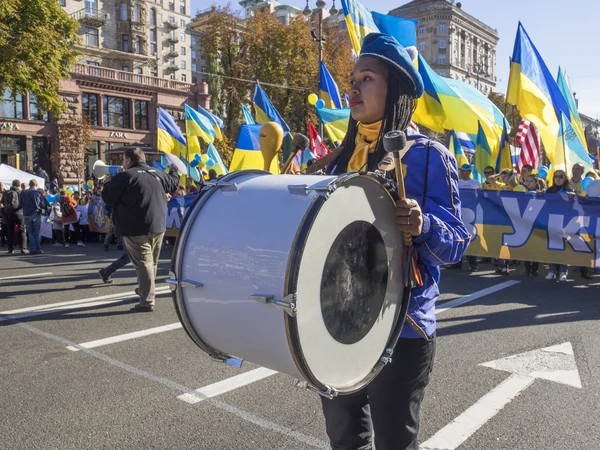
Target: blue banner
548	228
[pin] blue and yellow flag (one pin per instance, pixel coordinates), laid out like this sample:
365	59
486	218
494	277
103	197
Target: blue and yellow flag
247	153
456	149
575	120
483	155
328	88
504	158
532	88
219	166
335	122
196	125
265	111
359	22
248	116
217	123
569	150
169	137
404	30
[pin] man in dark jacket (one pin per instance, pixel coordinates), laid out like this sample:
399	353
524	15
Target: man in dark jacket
137	196
13	210
34	207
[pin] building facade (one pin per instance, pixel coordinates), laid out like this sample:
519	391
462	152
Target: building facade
454	43
146	37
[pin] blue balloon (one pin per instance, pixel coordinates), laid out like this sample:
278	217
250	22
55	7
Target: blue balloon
52	198
320	104
210	163
542	172
197	157
586	182
195	162
86	187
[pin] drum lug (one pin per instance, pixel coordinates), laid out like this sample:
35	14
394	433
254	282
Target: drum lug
173	282
303	189
288	303
387	356
330	393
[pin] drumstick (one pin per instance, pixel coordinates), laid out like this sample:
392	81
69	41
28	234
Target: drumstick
394	142
271	138
300	142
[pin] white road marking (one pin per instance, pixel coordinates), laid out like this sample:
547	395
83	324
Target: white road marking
244	415
33	275
558	314
125	337
229	384
475	295
461	428
16	314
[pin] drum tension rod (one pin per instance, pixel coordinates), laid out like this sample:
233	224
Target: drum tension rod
329	393
288	303
303	189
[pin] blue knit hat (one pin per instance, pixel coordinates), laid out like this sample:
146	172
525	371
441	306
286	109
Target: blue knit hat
389	50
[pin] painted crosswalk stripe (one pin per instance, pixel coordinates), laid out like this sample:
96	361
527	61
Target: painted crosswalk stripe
226	385
474	296
33	275
16	314
124	337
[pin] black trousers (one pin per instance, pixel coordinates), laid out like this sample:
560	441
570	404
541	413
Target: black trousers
12	220
121	261
388	407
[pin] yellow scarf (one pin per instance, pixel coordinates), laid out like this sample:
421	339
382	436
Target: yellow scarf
365	143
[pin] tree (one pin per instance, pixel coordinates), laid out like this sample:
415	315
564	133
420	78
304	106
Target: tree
74	136
511	112
36	49
337	56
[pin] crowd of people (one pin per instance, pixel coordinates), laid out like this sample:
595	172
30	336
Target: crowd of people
527	181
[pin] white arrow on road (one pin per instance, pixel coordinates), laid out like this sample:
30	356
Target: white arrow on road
556	363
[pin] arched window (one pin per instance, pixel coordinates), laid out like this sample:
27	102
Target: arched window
124	11
153	16
136	13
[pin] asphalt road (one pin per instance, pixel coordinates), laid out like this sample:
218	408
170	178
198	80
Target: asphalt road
126	394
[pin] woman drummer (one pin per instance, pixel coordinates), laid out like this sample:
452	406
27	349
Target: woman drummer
384	87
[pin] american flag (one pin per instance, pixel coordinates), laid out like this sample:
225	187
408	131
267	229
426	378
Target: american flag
529	138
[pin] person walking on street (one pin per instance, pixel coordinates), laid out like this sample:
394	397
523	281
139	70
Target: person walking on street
34	207
13	209
137	196
3	224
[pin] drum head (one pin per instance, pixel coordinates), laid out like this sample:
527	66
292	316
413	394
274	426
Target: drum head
348	284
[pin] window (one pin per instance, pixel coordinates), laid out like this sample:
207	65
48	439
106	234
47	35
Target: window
153	35
141	115
202	58
172	35
125	43
34	112
171	6
193	54
442	59
421	30
172	61
116	112
139	70
138	45
91	36
11	108
125	68
193	41
442	43
422	46
183	77
63	2
194	67
154	74
91	6
89	108
182	64
182	37
182	23
442	27
183	50
124	14
153	16
181	9
136	13
92	63
153	49
172	19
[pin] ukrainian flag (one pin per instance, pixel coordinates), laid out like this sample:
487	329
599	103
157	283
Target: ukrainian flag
197	126
359	22
504	158
532	88
456	149
169	136
483	155
302	158
217	123
335	122
247	153
404	30
219	166
248	116
265	111
328	88
563	85
569	150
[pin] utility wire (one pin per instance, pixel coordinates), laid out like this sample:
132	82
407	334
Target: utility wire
294	88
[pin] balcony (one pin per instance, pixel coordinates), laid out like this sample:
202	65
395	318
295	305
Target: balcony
173	40
170	25
173	54
172	68
112	75
91	17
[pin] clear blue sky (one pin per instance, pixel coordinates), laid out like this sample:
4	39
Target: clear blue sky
564	31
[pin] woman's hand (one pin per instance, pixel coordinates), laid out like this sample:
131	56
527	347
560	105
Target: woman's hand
409	218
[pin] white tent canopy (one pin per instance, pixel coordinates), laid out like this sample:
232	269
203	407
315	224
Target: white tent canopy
8	174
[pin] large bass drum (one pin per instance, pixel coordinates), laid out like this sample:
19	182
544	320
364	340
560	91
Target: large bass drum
300	274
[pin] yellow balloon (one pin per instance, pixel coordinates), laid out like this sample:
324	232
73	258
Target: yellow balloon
520	188
204	158
312	99
90	184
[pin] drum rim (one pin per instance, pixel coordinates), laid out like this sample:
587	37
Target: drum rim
291	323
177	260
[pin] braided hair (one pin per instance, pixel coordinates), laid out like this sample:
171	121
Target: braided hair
397	114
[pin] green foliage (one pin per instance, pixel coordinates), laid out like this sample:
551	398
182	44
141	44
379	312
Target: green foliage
510	112
36	49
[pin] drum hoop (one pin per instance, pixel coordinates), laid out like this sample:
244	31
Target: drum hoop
291	323
177	261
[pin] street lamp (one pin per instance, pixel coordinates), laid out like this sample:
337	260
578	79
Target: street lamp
477	69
